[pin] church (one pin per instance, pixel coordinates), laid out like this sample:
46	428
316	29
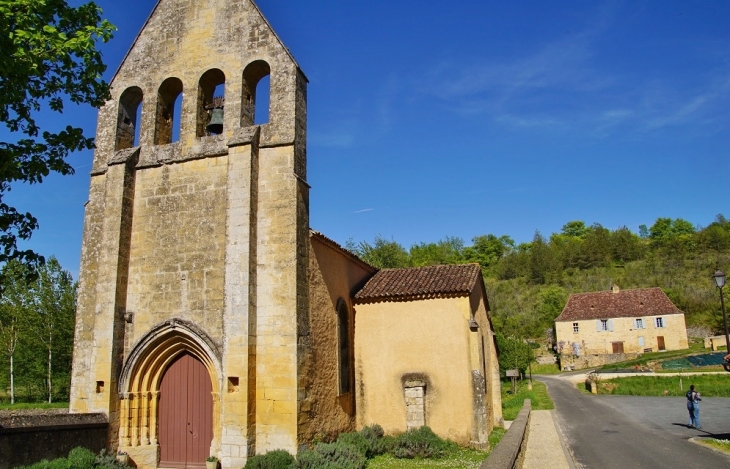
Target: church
211	319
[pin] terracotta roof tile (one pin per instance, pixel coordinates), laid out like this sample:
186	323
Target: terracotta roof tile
623	304
419	283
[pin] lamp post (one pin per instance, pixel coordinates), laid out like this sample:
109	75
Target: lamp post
719	278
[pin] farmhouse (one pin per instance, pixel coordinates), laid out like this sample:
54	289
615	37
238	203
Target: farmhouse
620	321
211	319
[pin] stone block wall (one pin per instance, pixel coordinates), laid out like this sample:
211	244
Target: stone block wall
210	231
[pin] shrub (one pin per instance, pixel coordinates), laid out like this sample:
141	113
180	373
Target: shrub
357	441
375	436
81	458
336	455
277	459
420	443
108	460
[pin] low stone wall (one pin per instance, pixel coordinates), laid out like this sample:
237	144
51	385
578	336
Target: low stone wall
509	452
27	437
571	362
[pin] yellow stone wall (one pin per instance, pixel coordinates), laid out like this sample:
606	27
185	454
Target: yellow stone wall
594	342
431	339
210	230
333	277
177	258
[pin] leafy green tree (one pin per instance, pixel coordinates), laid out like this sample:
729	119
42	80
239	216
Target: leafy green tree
544	265
488	250
48	56
514	354
13	310
552	302
643	232
51	317
446	251
383	254
575	229
625	245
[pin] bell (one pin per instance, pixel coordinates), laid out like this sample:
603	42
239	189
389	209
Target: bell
215	126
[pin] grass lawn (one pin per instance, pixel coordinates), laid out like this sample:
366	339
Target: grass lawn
722	445
707	385
511	404
461	458
34	405
551	369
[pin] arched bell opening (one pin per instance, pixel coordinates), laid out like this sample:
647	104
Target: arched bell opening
128	118
211	103
173	366
167	118
256	93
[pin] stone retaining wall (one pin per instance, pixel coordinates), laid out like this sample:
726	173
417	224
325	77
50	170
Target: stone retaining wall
27	437
509	452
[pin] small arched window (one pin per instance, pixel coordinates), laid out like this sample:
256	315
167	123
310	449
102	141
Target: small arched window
211	101
128	118
167	120
256	93
343	320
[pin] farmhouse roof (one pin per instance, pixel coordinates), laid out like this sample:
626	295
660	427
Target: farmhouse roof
618	304
436	281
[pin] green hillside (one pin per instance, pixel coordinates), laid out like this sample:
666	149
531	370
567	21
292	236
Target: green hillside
529	283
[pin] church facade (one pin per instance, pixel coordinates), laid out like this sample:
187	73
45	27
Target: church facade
211	319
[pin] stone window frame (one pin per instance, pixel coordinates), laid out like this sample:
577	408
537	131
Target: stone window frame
253	73
167	94
344	348
129	107
575	328
206	89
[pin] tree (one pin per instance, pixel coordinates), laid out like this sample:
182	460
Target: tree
51	315
488	250
544	266
48	55
382	254
446	251
13	309
575	229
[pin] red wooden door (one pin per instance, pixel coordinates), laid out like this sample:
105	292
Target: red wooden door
185	414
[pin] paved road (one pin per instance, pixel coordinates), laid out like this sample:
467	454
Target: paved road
606	432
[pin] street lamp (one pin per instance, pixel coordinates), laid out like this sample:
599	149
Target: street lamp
719	278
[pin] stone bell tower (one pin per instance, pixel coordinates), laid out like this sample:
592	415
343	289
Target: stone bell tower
195	249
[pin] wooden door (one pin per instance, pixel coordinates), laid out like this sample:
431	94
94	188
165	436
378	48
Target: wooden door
660	342
186	414
618	347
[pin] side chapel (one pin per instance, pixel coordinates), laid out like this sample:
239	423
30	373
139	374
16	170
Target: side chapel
211	319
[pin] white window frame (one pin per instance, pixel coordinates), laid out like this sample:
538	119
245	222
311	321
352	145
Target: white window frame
604	325
575	328
639	323
659	322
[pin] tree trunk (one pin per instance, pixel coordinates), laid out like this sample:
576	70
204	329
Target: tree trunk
50	384
12	381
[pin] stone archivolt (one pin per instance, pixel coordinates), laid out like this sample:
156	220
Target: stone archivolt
139	385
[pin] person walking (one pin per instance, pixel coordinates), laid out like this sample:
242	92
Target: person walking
693	407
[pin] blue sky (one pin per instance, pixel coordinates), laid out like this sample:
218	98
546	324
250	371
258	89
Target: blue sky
465	118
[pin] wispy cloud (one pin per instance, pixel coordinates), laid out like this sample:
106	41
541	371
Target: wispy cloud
564	85
364	210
